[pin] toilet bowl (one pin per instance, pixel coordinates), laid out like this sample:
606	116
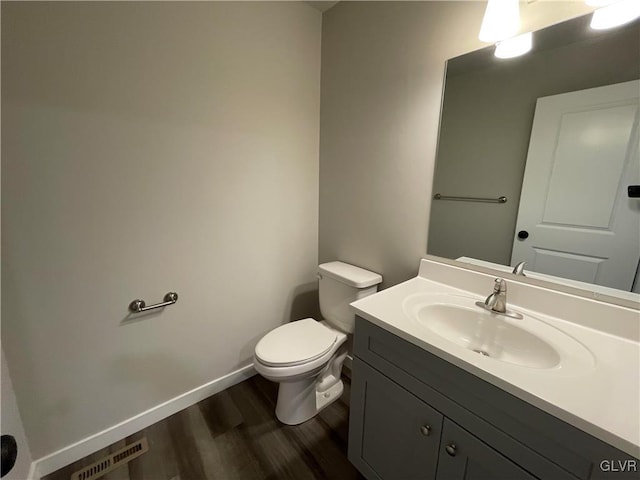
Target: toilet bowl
298	355
306	356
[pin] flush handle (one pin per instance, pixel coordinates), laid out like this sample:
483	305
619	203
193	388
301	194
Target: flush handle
451	449
425	430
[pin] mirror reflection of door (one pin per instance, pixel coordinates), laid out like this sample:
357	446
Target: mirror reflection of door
575	219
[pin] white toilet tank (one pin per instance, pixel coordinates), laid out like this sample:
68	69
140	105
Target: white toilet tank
339	285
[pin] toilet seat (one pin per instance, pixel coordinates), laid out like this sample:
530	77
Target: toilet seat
295	343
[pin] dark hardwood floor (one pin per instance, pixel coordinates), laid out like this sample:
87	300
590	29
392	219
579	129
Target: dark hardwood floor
235	435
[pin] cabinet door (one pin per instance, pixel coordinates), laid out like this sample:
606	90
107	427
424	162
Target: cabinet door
393	435
463	456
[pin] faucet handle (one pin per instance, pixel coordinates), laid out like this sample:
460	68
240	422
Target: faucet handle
519	269
499	285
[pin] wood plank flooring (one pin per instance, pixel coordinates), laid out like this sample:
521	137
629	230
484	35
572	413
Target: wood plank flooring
234	435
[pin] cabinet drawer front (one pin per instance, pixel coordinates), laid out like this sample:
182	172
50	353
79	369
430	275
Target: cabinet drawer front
496	416
392	433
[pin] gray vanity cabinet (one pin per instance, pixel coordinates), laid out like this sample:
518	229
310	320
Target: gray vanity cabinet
397	436
416	416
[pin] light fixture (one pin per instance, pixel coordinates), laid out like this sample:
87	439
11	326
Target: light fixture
514	47
615	14
501	20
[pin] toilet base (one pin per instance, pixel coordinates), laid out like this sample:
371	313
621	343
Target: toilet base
326	398
299	401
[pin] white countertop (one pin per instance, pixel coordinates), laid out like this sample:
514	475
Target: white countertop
601	398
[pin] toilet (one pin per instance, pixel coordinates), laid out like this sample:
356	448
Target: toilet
306	356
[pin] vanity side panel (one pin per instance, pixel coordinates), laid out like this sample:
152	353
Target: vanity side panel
495	412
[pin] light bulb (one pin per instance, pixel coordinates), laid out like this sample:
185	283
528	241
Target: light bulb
616	14
501	20
514	47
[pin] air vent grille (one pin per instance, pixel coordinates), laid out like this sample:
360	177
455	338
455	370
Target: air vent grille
113	461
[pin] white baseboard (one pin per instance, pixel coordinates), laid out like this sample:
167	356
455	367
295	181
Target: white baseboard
32	475
46	465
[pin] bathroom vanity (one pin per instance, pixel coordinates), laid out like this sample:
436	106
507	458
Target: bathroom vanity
478	398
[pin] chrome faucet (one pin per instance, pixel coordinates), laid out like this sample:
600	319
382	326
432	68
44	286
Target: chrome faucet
519	269
497	301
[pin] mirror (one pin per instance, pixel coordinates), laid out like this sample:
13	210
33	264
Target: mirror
554	132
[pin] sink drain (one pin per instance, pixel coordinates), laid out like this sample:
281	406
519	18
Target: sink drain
481	352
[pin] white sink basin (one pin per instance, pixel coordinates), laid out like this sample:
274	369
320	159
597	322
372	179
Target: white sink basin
488	334
527	342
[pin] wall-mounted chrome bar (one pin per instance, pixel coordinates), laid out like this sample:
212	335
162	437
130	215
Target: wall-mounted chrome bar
501	199
138	305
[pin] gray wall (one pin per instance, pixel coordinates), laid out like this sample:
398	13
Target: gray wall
382	71
486	123
382	67
150	147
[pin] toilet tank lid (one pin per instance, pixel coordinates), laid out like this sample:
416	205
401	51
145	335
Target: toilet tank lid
350	274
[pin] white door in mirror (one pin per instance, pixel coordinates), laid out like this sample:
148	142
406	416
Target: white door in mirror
575	219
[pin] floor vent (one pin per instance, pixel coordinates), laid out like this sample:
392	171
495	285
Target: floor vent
113	461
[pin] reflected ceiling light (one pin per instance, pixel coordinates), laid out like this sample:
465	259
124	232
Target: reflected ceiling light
615	14
514	47
501	20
